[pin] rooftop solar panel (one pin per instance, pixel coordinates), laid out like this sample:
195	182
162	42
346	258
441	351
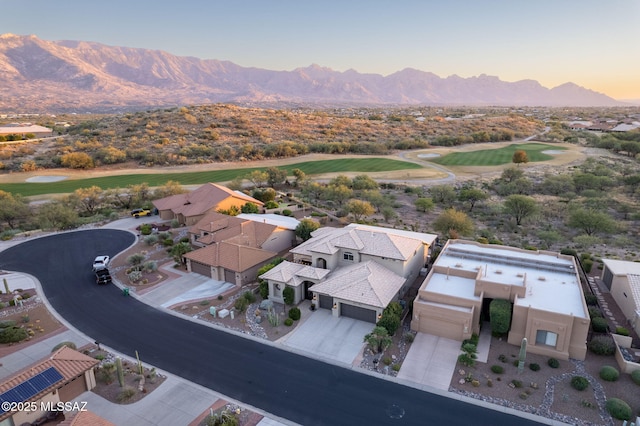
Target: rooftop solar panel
31	387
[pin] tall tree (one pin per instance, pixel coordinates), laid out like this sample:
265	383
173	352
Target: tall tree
520	207
591	221
258	178
424	204
443	194
339	193
472	196
453	223
520	156
305	228
275	176
359	209
13	208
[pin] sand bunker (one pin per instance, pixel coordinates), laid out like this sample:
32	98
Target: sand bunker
553	152
45	179
431	155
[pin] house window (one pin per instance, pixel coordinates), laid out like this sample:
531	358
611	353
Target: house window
547	338
348	256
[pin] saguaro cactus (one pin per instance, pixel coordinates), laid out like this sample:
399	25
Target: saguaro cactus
120	372
6	285
523	354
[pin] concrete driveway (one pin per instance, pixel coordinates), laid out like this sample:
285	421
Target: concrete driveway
325	336
431	361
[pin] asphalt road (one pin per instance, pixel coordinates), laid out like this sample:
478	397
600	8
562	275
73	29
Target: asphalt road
297	388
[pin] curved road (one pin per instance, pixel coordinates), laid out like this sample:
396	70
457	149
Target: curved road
294	387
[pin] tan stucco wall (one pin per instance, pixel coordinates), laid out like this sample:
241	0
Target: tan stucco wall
443	322
620	286
279	240
572	332
21	417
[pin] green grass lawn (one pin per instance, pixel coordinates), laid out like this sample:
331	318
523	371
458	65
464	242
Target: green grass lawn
191	178
498	156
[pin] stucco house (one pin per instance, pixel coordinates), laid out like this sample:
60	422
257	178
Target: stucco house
190	207
61	377
233	248
354	271
622	278
24	129
548	306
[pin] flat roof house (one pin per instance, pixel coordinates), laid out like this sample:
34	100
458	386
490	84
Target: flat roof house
190	207
355	271
548	306
61	377
622	278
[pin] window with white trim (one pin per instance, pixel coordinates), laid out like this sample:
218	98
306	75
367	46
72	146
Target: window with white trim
348	256
547	338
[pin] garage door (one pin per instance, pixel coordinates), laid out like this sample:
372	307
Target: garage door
72	389
356	312
438	327
229	276
326	302
200	268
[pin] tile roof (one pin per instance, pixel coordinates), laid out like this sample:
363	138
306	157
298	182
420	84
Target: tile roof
85	418
200	200
368	282
68	362
233	257
294	274
634	284
371	241
232	229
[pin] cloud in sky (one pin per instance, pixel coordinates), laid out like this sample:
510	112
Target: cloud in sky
591	43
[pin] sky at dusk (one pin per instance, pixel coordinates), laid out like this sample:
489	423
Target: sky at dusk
591	43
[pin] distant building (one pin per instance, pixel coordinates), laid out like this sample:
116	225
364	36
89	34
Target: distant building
23	129
190	207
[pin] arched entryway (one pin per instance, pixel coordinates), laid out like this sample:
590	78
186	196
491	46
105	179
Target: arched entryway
321	263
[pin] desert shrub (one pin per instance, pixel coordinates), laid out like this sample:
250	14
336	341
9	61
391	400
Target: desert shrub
568	251
515	362
249	296
12	334
502	358
7	323
150	266
609	373
517	383
473	340
288	294
151	240
635	376
587	264
497	369
475	383
467	360
622	331
294	314
396	368
270	205
534	367
25	318
134	276
591	299
61	344
618	409
602	345
490	383
287	212
599	325
263	288
145	229
409	337
165	235
167	242
125	394
184	239
553	363
579	383
595	312
386	360
469	348
288	322
241	304
175	223
500	316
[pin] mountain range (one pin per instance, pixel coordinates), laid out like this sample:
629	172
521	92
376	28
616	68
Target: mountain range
73	76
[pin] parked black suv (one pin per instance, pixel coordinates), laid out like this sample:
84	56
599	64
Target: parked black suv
103	276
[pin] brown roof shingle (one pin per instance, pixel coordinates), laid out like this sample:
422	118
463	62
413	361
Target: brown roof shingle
233	257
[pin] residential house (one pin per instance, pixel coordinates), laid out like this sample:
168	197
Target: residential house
355	271
233	248
622	278
190	207
25	128
63	376
548	306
